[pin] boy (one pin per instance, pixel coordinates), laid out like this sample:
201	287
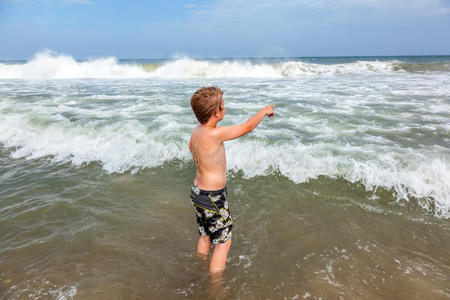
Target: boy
208	193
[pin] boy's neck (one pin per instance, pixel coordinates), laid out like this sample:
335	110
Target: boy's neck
211	123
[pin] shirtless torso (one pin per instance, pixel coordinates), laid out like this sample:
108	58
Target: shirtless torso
208	151
209	156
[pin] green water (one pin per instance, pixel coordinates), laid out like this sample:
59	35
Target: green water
124	236
343	195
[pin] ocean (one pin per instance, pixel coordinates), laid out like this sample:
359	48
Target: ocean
344	194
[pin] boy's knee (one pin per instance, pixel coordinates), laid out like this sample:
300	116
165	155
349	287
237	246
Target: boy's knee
205	239
203	246
225	245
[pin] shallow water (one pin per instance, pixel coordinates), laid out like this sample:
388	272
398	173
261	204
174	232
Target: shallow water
345	194
78	230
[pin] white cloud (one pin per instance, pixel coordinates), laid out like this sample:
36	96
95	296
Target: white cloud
418	7
308	27
230	8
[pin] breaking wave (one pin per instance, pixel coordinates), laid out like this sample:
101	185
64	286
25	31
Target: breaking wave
48	65
129	146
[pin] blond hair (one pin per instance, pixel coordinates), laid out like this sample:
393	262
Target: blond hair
205	102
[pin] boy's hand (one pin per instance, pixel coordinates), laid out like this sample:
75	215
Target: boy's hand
269	110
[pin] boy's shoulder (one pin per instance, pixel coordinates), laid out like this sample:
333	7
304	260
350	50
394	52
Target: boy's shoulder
202	134
202	130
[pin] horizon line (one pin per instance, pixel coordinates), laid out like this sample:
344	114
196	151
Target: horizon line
236	57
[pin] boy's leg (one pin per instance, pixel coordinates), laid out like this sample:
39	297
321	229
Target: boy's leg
219	257
203	246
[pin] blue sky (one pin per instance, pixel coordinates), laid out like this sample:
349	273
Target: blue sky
224	28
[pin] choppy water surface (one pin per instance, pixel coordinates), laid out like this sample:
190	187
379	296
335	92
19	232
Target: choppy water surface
345	193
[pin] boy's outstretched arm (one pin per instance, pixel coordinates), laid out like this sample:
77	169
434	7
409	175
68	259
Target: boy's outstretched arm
225	133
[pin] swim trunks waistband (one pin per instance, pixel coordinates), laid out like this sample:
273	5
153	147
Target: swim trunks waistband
199	191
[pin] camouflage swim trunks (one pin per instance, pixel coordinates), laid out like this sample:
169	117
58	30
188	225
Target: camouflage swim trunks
213	216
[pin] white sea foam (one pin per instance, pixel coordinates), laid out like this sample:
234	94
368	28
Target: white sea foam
119	147
189	68
409	174
49	65
324	126
41	289
129	145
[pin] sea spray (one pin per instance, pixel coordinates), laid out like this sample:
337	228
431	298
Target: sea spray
373	129
49	65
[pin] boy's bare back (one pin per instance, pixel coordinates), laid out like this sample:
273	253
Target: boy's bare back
206	144
209	156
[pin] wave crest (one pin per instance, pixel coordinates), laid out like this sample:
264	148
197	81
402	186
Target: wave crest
49	65
128	145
